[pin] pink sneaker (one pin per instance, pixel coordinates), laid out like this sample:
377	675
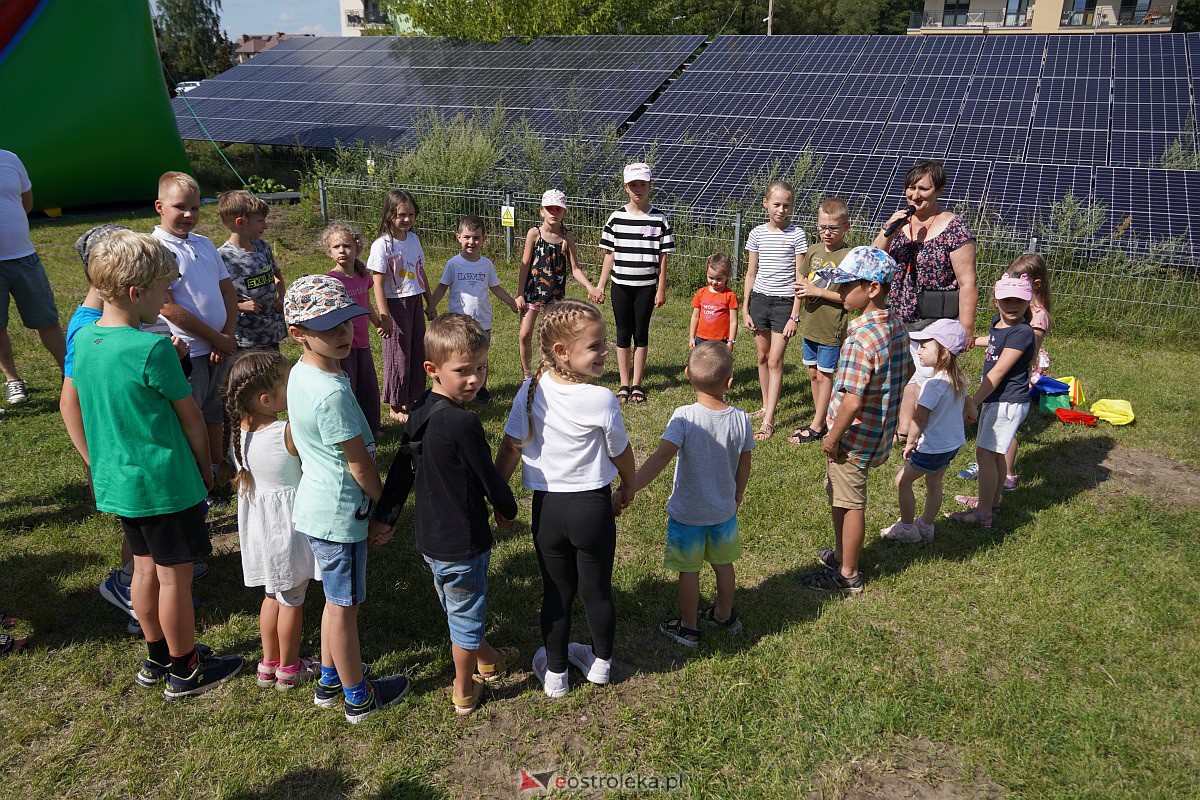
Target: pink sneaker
902	532
925	529
1010	483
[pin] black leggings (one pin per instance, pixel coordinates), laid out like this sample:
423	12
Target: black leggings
632	306
575	536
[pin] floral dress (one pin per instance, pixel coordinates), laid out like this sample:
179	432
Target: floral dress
925	266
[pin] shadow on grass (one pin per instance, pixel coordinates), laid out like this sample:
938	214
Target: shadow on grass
68	503
332	783
29	590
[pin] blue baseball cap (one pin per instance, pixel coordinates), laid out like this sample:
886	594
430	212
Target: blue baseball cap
862	264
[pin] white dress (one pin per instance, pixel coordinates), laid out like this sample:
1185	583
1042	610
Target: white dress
274	554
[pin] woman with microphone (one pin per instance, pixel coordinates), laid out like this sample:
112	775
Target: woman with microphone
935	251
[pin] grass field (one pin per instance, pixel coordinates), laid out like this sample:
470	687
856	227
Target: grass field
1053	655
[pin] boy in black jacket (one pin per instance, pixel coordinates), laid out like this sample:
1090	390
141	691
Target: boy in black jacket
455	473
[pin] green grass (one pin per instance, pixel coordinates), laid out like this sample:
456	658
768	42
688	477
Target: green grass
1053	655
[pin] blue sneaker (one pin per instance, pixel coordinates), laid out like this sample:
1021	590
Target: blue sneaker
112	591
209	673
381	693
328	695
971	473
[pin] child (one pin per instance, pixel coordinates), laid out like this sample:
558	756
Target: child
713	440
398	264
936	430
549	249
1004	394
571	441
637	240
823	316
712	304
770	307
873	367
333	500
153	474
274	554
469	276
344	245
201	305
1034	267
454	481
252	269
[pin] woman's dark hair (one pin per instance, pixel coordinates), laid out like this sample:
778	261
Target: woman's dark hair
926	166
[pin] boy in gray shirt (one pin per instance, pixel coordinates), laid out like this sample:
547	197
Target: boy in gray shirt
713	440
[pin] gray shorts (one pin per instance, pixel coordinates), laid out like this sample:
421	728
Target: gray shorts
25	281
207	380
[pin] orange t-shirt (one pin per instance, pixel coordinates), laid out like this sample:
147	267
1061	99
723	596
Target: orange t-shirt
714	312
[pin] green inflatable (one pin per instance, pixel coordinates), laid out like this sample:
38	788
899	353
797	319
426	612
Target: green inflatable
85	106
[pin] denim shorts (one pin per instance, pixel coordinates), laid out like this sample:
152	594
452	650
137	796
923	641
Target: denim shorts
462	590
24	279
689	546
822	356
343	570
931	462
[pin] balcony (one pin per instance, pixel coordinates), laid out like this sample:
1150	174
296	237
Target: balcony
970	19
1156	18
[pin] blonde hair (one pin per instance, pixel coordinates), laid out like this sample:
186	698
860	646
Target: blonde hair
562	323
719	262
251	373
709	366
835	208
453	333
947	362
340	228
1034	266
125	258
780	186
177	180
239	203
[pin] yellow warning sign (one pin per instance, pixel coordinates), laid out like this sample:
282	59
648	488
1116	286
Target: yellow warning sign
508	216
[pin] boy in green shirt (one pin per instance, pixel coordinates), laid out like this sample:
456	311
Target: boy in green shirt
149	457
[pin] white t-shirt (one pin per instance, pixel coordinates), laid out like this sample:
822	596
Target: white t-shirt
198	287
469	282
944	430
402	261
14	225
777	253
577	432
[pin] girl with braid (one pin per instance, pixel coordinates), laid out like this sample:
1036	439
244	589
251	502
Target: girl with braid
274	554
571	441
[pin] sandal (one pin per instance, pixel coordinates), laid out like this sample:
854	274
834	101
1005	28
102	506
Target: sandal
637	394
491	674
806	435
467	705
623	395
765	431
11	645
688	637
762	412
972	517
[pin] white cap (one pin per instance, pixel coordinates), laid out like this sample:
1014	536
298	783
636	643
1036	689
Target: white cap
637	172
552	198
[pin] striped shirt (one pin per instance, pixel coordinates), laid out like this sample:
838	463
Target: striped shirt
777	252
875	364
637	242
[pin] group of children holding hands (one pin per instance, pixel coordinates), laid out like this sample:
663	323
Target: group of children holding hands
311	499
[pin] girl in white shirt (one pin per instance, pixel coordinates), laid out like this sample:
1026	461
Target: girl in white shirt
571	441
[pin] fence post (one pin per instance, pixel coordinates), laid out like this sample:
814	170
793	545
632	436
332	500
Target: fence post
508	232
324	200
1033	244
737	244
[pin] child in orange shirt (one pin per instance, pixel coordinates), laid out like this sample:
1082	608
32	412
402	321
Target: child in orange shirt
711	319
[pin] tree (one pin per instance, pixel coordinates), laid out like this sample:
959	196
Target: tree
190	40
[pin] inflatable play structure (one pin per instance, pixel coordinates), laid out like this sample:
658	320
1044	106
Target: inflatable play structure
84	102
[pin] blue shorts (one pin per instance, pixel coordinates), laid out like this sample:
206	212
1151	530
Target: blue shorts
343	570
822	356
931	462
24	280
462	590
689	546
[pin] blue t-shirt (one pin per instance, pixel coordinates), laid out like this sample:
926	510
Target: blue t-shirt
329	503
82	316
1013	387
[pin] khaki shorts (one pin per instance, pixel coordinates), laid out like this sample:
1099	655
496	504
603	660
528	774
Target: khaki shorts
846	484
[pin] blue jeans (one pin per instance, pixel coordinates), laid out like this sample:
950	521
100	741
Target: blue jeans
462	590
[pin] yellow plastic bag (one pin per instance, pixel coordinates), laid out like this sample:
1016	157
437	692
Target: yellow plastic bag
1116	412
1076	391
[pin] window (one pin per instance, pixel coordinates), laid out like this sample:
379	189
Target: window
1078	12
1016	13
955	13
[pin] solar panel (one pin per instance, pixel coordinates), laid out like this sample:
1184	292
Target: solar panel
1149	203
733	181
989	141
1012	56
860	180
948	55
1058	146
966	182
1018	195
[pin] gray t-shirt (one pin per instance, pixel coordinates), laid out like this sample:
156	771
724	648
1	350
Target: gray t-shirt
253	276
710	445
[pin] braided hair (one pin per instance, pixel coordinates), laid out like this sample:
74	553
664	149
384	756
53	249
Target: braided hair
561	323
250	374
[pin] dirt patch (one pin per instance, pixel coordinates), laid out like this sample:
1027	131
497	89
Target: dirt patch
924	770
1175	484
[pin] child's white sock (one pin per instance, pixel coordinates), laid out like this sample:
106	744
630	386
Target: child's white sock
556	684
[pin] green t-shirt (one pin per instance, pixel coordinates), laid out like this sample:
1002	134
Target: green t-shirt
329	503
824	321
142	464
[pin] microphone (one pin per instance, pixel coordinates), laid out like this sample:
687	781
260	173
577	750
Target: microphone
895	226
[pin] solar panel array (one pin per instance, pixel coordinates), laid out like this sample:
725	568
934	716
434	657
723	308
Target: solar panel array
315	91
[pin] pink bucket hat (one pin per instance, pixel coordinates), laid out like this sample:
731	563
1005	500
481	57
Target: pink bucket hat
1008	286
637	172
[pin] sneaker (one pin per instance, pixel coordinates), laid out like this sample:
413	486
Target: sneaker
673	628
925	529
483	396
732	626
330	695
492	674
467	705
1010	483
209	673
381	693
14	392
596	670
112	591
153	673
200	570
555	684
310	668
832	581
971	473
825	556
134	628
901	531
